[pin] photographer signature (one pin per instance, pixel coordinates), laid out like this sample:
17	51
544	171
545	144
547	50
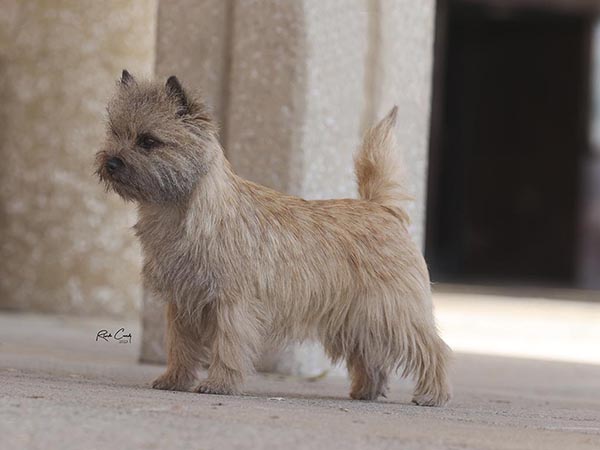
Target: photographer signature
119	336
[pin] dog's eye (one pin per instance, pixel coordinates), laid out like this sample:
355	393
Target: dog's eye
148	142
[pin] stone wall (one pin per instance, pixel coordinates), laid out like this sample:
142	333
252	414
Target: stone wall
65	246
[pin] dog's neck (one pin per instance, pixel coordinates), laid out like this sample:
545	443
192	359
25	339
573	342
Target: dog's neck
213	199
197	214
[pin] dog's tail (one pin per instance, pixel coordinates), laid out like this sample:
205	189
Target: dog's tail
378	169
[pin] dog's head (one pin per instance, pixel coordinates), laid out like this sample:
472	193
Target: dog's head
160	140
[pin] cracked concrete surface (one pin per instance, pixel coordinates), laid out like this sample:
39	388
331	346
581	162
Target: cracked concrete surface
59	388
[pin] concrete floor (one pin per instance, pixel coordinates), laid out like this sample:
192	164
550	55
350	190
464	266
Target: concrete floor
530	327
59	388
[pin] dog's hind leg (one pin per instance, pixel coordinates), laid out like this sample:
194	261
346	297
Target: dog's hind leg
428	359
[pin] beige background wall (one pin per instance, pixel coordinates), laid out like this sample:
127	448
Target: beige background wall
192	43
64	245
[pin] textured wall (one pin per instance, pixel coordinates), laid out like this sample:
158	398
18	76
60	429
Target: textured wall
192	43
403	71
64	244
297	93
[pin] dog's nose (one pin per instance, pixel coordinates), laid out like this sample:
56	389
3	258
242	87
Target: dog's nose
113	164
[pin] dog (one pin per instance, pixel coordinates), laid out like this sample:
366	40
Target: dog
241	266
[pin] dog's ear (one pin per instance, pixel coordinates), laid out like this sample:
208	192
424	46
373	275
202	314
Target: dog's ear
126	78
175	90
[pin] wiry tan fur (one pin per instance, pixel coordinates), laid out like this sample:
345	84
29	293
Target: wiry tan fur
241	266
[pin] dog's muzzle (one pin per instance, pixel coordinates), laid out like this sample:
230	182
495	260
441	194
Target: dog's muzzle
113	164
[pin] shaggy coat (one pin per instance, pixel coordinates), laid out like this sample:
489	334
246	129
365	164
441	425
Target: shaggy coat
241	266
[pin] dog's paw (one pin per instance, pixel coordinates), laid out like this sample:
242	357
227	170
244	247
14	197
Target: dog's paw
431	399
214	387
363	397
167	382
369	392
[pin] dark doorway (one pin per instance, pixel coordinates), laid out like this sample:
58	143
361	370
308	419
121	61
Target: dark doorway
509	132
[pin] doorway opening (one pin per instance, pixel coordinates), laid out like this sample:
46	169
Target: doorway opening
510	131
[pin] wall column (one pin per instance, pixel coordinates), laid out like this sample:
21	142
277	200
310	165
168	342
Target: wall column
296	84
66	246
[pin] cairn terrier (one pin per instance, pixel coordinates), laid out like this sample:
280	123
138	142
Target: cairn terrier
241	266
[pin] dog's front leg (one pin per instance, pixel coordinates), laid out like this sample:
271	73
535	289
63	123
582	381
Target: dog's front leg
234	347
184	352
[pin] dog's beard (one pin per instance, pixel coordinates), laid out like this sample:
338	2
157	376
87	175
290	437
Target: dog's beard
161	186
124	190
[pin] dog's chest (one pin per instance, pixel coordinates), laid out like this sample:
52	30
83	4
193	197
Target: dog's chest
176	265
